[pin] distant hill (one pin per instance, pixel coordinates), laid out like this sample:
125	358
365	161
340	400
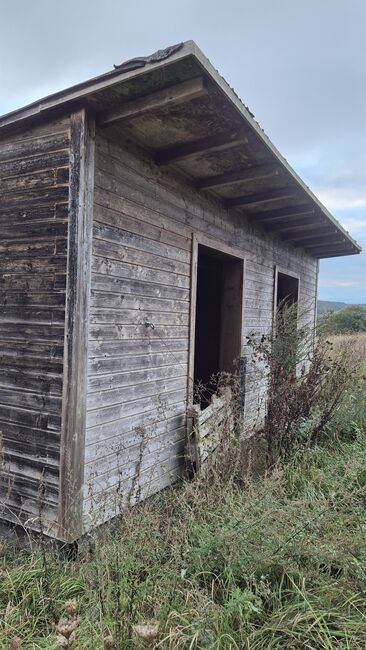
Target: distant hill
330	305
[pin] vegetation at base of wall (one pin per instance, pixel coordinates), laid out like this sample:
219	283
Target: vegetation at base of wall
351	319
305	380
276	563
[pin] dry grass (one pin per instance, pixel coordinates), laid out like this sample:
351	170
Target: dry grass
355	343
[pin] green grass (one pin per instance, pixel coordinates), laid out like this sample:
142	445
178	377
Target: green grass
280	563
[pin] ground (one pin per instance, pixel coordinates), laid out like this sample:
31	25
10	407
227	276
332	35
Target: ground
278	562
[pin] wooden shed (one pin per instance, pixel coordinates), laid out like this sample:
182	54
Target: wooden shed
147	226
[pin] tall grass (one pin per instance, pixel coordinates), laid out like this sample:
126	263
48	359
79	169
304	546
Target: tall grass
279	563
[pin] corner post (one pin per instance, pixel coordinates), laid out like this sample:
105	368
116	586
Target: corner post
79	251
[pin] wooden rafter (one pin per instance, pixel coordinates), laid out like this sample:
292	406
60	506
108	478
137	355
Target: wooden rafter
262	197
316	226
176	94
219	142
255	172
308	239
282	214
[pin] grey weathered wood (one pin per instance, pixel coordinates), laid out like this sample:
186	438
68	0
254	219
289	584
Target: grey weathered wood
32	298
209	425
251	200
211	143
312	224
76	330
326	249
314	239
282	214
254	172
173	95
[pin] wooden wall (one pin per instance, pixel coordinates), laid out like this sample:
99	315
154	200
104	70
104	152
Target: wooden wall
34	193
144	219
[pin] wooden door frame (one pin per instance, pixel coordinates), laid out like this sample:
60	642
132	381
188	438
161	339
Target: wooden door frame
199	239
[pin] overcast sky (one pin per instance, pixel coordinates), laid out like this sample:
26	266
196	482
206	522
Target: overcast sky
300	65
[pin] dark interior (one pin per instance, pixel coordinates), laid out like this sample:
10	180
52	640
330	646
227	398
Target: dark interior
287	290
208	322
218	319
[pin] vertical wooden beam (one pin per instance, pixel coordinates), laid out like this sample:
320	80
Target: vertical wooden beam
76	325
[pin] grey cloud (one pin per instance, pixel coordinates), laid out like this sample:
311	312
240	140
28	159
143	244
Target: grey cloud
300	65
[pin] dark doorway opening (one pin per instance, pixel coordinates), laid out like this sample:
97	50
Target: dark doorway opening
218	319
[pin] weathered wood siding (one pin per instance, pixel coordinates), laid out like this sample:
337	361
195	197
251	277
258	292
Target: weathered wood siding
139	320
34	192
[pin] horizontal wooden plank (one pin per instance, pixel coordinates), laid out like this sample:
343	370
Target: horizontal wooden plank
39	443
115	211
23	314
121	253
54	264
36	363
104	265
156	451
122	316
14	250
36	197
137	361
121	347
23	184
130	437
122	332
118	299
116	412
36	418
18	298
150	469
41	162
33	400
123	237
98	434
34	146
34	231
124	395
120	378
144	287
114	500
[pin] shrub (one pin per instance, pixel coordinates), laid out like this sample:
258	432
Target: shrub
349	319
306	382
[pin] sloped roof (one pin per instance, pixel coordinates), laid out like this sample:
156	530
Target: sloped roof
177	106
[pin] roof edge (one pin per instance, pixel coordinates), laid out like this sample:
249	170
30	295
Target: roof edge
80	92
242	109
83	89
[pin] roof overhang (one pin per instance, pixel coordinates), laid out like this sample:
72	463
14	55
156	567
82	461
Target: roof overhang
177	106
